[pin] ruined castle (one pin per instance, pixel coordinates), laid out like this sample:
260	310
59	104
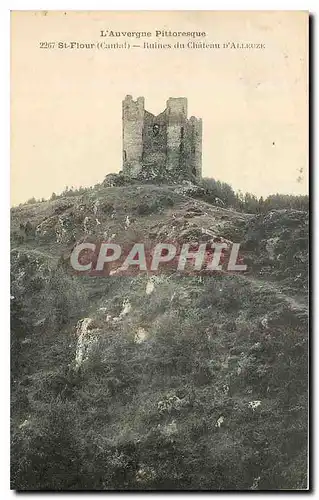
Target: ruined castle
167	146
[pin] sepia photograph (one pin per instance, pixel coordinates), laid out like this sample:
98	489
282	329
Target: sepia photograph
159	250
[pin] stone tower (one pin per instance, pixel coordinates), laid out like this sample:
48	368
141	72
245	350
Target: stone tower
167	146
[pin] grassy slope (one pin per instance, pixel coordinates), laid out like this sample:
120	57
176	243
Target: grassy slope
176	409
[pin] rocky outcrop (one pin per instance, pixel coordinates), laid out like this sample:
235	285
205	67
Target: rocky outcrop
87	336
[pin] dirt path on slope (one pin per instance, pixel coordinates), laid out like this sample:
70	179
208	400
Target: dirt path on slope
296	302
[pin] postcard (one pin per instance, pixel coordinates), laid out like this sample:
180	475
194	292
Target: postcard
159	250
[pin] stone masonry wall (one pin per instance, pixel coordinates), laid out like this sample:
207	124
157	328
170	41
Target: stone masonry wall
167	145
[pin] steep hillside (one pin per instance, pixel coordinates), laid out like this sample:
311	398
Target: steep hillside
171	381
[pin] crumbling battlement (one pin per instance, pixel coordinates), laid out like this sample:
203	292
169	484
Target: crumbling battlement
168	145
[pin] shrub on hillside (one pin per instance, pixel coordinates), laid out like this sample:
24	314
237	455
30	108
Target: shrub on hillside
214	190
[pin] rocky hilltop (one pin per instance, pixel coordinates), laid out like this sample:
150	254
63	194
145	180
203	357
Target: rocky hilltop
158	382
